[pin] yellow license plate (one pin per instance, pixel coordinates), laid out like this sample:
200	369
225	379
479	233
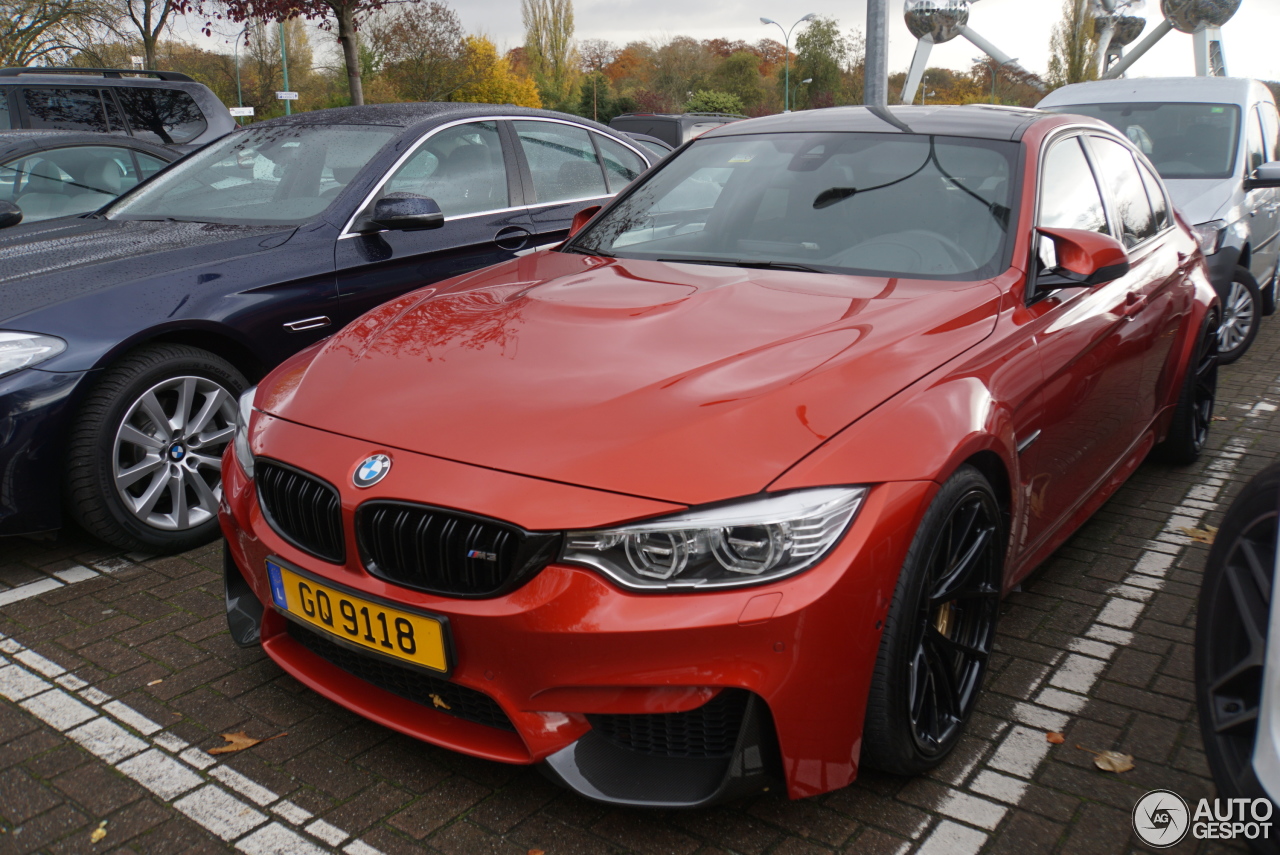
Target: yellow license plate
392	632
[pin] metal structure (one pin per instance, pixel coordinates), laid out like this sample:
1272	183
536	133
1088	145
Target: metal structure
1115	29
933	22
1202	20
875	90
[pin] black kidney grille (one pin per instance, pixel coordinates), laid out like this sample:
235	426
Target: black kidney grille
409	683
711	730
447	552
303	509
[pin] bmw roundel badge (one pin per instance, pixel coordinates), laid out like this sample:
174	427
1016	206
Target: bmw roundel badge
371	470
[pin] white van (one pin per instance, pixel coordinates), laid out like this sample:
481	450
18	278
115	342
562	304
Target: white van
1207	137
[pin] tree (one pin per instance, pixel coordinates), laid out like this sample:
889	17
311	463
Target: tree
1071	46
548	45
710	101
596	100
597	54
491	80
345	14
821	53
421	50
147	18
43	31
739	75
679	67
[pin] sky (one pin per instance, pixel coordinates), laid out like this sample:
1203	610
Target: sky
1020	28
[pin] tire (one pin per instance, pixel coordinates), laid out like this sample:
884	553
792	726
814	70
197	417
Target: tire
1241	316
137	483
1193	415
939	631
1231	636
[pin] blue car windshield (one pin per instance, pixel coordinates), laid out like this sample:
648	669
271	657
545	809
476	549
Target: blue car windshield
927	207
268	175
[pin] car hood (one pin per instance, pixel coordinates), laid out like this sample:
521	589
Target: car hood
48	263
1202	200
681	382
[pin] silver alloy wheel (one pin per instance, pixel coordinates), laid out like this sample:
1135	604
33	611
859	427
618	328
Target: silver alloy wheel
1238	317
167	456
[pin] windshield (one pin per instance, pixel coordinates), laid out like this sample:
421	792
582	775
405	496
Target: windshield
268	175
1180	140
887	204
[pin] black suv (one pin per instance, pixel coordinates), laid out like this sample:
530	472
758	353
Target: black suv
675	129
157	106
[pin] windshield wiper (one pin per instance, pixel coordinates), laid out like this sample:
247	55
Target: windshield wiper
746	262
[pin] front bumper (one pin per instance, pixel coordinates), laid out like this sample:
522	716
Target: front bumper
35	409
568	654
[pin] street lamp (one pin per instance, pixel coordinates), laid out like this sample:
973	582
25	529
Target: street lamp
995	70
801	83
786	49
239	94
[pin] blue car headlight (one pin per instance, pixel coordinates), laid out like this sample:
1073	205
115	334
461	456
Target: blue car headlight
22	350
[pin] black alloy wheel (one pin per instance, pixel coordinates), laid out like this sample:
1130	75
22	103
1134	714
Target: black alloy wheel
1193	416
1231	634
940	630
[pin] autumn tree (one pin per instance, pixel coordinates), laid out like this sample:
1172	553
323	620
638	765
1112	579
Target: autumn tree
739	75
549	48
144	20
490	79
821	54
597	54
1071	45
421	50
44	31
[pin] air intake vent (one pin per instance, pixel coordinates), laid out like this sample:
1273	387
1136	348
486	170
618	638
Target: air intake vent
447	552
711	730
302	509
409	683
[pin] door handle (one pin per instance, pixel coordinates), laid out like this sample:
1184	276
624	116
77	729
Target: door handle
1133	304
308	324
512	237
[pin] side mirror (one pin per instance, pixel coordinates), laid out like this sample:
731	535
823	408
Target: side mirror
1084	258
581	218
10	215
406	212
1265	176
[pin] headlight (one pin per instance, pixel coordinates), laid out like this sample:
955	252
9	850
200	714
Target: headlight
22	350
742	543
1209	235
241	444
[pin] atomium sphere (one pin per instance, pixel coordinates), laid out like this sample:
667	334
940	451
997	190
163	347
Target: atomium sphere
1189	15
1128	28
939	19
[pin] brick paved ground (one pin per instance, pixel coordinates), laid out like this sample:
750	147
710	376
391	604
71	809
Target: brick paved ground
1097	644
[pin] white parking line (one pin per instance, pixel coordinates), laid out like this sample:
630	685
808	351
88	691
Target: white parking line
178	773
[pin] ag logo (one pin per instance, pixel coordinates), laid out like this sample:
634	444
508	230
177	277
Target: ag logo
1161	818
371	470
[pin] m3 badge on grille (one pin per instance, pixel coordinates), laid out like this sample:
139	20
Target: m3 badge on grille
371	470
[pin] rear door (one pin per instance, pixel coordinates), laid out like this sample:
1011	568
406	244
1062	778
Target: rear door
471	173
567	168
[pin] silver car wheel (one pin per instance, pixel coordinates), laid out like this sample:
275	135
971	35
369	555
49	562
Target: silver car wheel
167	455
1238	317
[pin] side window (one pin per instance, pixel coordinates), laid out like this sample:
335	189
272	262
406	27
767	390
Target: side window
1069	197
1120	177
65	109
68	181
167	116
461	168
5	122
621	164
1156	194
1270	130
1255	146
562	160
149	165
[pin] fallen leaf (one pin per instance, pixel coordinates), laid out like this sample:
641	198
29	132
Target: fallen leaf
1055	738
155	682
536	852
239	741
1199	535
1110	761
1219	418
99	832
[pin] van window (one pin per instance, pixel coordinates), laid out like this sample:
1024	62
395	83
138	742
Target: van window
1182	140
166	116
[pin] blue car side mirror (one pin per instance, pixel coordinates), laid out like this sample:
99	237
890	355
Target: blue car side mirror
407	212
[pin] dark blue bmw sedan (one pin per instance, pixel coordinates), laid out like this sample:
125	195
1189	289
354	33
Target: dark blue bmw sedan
127	336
